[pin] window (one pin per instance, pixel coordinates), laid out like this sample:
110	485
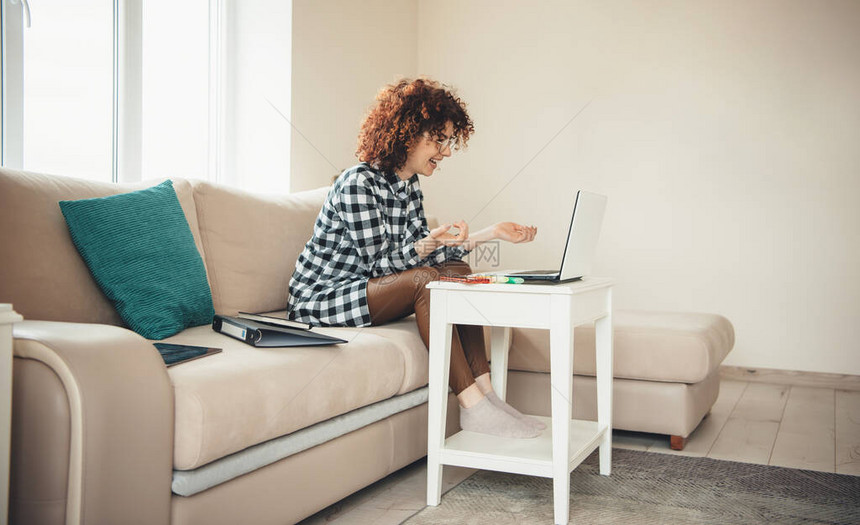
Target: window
175	89
129	90
65	88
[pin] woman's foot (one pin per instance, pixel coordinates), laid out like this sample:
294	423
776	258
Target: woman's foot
486	418
508	409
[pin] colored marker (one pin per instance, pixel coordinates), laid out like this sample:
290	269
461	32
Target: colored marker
501	279
471	279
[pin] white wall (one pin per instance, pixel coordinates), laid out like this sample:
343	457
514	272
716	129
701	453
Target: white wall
723	132
343	52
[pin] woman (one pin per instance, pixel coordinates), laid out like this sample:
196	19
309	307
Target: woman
372	254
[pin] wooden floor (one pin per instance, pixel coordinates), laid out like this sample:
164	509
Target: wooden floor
788	426
770	424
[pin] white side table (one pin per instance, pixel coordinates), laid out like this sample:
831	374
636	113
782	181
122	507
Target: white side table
8	317
566	442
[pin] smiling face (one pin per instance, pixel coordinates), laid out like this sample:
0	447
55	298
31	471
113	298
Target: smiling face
425	155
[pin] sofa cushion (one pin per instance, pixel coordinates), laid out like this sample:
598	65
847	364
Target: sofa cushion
654	346
141	252
252	243
43	274
244	395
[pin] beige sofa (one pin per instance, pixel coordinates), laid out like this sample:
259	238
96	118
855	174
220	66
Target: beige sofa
103	432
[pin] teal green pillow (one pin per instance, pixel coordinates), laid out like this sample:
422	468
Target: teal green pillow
140	250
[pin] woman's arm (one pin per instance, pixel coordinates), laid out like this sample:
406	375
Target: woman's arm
504	231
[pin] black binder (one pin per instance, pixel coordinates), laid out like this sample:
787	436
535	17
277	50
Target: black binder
268	336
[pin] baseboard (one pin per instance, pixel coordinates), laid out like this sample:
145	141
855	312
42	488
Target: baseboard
791	377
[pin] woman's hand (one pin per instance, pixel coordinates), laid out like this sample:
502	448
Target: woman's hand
513	232
442	236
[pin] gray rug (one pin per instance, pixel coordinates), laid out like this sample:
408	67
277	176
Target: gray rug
655	488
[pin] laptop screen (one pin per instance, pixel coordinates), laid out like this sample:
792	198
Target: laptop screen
582	235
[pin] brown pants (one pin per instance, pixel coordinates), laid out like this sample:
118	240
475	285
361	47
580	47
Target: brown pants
400	294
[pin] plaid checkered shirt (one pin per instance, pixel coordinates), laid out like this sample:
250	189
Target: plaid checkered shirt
367	228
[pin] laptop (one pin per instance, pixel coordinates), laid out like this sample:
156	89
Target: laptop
581	241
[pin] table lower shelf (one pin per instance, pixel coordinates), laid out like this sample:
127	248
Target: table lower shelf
532	456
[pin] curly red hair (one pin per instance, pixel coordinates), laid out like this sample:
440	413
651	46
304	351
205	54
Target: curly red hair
403	113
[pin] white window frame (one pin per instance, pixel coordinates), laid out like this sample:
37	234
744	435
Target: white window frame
127	143
12	83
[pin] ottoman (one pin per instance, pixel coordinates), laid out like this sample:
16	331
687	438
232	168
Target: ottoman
666	370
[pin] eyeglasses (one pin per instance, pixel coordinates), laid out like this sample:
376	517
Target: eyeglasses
445	143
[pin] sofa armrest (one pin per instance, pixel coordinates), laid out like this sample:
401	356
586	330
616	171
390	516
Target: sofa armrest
105	391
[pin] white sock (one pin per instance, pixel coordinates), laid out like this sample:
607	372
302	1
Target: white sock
495	400
485	418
